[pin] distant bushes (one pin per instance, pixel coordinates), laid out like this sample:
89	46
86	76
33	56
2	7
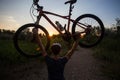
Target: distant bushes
109	51
6	34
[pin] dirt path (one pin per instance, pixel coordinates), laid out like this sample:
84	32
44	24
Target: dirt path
82	66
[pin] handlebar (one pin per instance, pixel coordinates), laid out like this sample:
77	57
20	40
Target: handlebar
35	2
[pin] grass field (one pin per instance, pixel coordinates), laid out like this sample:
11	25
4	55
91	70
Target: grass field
109	52
8	53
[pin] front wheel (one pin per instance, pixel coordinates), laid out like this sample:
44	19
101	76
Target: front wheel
25	42
91	29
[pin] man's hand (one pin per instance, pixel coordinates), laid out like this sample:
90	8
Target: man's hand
35	30
77	35
75	44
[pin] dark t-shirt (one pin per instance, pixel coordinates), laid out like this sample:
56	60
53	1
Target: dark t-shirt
56	68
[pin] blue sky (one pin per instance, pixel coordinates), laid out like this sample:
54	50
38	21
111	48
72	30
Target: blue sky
14	13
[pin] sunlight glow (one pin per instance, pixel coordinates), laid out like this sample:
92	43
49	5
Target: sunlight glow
82	35
51	33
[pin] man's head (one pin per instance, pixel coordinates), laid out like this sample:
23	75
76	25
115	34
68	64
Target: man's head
56	48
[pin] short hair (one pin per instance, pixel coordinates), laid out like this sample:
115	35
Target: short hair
56	48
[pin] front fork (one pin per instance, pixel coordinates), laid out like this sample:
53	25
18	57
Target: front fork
36	23
38	19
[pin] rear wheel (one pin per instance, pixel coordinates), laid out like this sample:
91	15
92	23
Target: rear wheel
25	42
91	29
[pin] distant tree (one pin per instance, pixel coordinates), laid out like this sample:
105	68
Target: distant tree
6	34
0	31
118	25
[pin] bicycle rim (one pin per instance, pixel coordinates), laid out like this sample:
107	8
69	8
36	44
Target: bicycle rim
96	30
26	44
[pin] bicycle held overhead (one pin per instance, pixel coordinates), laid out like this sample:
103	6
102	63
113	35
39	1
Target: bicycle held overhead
89	26
42	13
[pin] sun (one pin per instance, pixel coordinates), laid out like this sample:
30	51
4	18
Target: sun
50	34
53	33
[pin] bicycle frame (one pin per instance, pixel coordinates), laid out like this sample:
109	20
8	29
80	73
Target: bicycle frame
64	17
44	14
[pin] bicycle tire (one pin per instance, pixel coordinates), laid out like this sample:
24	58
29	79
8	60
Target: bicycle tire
94	18
17	34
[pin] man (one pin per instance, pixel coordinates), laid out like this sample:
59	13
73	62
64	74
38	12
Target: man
56	64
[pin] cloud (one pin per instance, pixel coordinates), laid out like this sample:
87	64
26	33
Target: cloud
11	19
8	22
7	18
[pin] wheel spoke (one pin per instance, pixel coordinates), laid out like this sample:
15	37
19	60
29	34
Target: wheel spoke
91	29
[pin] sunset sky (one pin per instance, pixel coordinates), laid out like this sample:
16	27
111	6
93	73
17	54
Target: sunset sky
14	13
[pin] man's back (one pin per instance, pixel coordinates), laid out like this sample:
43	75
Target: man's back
56	68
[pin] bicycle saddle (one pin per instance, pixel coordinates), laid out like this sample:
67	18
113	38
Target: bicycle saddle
71	1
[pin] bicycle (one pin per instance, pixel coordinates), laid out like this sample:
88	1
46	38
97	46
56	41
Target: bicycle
89	26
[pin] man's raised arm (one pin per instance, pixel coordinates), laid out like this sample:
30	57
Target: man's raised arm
38	39
75	44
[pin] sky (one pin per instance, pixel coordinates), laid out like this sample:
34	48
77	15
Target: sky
15	13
